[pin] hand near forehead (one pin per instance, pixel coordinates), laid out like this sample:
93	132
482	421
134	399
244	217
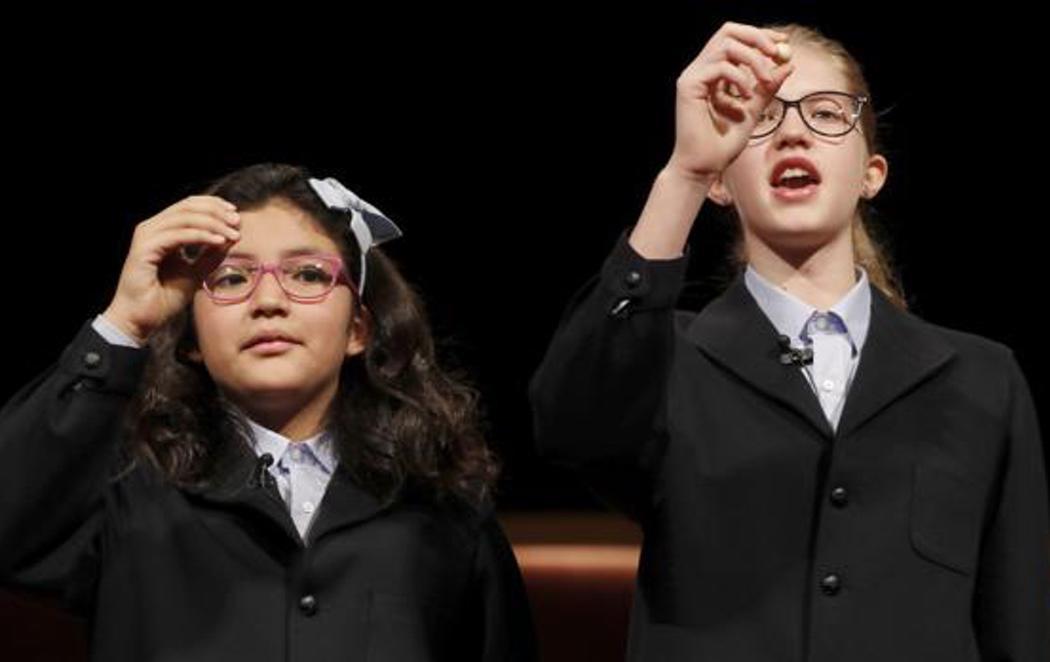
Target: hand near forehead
156	282
721	94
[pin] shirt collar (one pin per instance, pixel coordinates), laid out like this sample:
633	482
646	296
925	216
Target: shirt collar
268	441
789	314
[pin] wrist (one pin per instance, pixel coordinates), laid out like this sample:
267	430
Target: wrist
129	328
679	176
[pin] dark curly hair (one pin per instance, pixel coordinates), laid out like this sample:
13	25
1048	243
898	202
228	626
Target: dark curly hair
400	421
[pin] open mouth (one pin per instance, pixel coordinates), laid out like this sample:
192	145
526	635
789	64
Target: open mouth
798	191
794	179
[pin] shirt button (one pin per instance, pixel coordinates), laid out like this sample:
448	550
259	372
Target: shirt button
828	384
831	584
822	322
633	278
308	507
308	605
92	359
839	496
295	454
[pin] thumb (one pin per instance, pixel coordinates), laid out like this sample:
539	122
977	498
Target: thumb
780	74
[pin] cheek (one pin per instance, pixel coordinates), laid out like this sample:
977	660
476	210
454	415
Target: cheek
329	325
215	328
745	181
852	164
847	177
746	175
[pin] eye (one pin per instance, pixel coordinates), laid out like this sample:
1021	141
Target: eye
826	107
312	273
229	275
230	279
829	112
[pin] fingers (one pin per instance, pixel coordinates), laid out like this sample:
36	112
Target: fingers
760	38
166	241
205	203
759	65
710	75
200	204
190	225
207	222
190	219
756	55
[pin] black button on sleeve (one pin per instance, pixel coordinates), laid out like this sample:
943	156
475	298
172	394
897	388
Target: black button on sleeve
92	359
308	605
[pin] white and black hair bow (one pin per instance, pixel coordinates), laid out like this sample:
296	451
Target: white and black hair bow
369	226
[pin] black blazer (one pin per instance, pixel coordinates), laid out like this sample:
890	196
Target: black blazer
222	574
916	532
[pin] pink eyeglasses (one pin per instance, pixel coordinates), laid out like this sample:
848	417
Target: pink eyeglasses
304	278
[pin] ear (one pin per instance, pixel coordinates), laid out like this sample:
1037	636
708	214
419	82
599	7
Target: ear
719	194
360	332
874	176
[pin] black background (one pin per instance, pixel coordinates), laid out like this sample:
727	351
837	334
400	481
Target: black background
512	144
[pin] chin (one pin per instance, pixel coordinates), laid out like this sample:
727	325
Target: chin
798	229
795	237
271	384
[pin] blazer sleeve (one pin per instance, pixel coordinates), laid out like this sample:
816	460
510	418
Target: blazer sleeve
501	626
59	447
598	395
1012	594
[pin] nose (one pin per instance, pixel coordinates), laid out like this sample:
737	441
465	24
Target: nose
792	128
268	294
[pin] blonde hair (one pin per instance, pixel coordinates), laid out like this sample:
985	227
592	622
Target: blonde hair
868	249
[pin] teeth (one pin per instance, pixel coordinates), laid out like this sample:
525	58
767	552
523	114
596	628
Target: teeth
795	172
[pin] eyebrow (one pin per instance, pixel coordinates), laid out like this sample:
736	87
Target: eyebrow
291	252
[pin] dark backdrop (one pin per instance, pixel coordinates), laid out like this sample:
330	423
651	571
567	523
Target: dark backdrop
513	145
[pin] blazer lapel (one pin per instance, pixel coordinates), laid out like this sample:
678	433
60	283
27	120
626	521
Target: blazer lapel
900	351
344	504
734	332
235	484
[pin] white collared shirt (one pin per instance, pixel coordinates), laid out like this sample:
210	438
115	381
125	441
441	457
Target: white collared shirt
836	335
302	470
